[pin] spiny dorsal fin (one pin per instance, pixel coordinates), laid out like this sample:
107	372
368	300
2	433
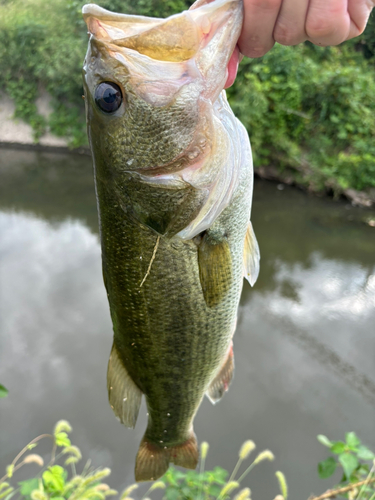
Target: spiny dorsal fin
215	267
124	396
221	382
251	256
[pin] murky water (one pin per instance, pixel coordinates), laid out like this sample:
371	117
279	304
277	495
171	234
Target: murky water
304	347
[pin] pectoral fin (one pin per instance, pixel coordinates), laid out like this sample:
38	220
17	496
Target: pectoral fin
124	396
251	256
215	268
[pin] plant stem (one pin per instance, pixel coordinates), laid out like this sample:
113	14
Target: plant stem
201	487
24	451
339	491
237	466
246	472
367	481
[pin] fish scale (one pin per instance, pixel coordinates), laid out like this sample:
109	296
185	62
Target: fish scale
173	174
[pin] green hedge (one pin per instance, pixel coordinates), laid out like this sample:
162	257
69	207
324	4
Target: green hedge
309	110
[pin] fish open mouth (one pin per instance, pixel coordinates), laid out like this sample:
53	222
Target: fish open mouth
175	39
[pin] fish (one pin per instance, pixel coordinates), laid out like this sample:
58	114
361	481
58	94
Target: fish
174	182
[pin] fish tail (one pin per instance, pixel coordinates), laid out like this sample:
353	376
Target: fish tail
153	461
186	454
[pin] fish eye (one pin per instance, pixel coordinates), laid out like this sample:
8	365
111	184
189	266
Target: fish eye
108	97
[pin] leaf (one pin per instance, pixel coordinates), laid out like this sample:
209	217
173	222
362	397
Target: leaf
349	463
54	478
220	475
352	440
214	490
3	391
326	468
61	439
324	440
28	486
364	453
338	447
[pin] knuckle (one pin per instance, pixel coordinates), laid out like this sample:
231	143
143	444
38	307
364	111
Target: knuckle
320	28
286	35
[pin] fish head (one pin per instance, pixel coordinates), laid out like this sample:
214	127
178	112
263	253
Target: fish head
149	83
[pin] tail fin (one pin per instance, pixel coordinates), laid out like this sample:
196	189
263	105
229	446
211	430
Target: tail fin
153	461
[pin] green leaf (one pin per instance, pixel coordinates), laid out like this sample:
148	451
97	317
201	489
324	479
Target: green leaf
54	478
352	440
324	440
326	468
338	447
3	391
28	486
349	463
364	453
61	439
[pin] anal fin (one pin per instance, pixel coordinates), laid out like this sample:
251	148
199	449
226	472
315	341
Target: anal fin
153	461
221	382
124	396
251	256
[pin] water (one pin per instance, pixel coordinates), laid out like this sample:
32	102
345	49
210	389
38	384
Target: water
304	347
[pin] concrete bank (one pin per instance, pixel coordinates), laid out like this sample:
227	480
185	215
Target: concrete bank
19	135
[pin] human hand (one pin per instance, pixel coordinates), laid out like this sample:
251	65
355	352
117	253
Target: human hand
289	22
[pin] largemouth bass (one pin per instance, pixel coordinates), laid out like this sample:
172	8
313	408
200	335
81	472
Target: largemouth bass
174	181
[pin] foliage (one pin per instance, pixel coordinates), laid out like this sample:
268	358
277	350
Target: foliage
309	110
3	391
55	481
357	463
61	481
313	111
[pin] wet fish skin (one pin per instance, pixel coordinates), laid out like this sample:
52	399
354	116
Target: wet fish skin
173	177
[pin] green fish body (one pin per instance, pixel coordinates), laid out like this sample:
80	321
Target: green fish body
174	181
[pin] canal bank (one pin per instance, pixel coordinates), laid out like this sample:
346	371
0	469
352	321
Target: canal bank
17	134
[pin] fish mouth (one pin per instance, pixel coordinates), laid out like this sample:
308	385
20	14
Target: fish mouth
175	39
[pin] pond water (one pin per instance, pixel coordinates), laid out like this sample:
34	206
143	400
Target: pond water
304	346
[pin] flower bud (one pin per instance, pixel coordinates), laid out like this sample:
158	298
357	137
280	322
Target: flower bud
246	449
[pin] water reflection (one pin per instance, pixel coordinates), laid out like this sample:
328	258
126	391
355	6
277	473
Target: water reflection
304	346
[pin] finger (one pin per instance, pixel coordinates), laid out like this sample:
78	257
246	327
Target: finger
359	12
327	22
290	24
257	32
